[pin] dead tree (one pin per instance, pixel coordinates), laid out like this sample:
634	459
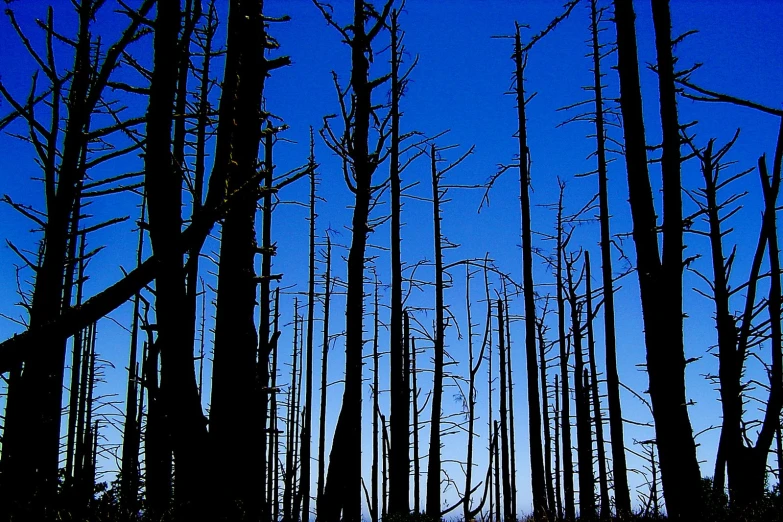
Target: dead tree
32	426
541	330
131	439
178	389
496	459
745	461
399	421
434	468
568	466
603	483
583	428
324	365
374	514
534	404
308	413
512	438
235	370
342	491
273	459
660	278
558	495
416	412
622	495
504	463
292	414
434	461
474	365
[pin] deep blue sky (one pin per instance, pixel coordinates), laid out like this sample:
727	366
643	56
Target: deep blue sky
459	84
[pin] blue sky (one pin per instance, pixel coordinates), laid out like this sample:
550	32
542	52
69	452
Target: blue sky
459	84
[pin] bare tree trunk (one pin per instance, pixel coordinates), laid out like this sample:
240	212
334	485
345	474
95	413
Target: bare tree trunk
385	470
622	495
178	389
324	362
76	370
399	456
290	442
343	488
497	474
415	399
534	404
238	372
558	494
474	364
307	428
31	435
434	461
267	341
490	422
275	446
583	430
550	491
157	440
375	410
660	281
512	438
129	490
504	463
568	466
599	424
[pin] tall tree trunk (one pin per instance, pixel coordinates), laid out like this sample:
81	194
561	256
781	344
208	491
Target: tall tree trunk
157	440
504	463
76	364
415	408
622	495
496	458
511	431
568	465
558	494
747	465
235	376
375	411
534	404
267	341
474	365
290	441
550	491
307	427
385	468
343	488
603	482
324	363
583	429
274	449
434	461
490	421
399	456
660	281
179	392
129	489
31	435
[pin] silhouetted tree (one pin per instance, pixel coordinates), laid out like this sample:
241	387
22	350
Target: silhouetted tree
324	365
622	496
342	491
534	404
31	436
603	483
583	429
660	278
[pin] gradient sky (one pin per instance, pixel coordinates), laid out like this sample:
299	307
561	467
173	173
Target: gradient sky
459	84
